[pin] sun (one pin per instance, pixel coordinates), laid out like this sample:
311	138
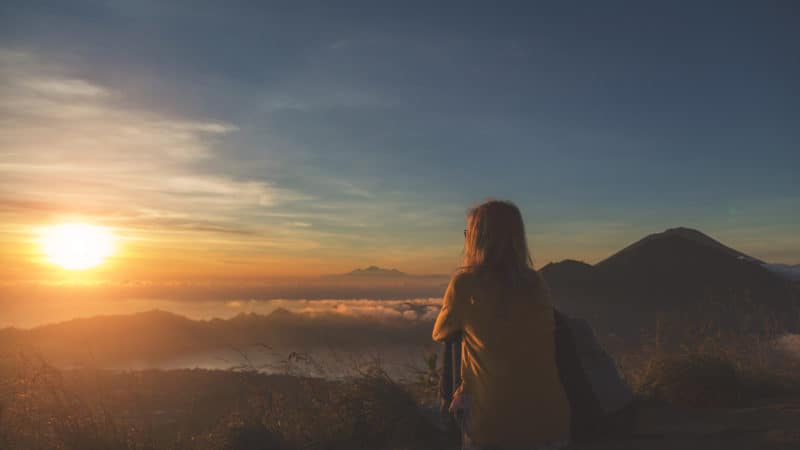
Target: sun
77	246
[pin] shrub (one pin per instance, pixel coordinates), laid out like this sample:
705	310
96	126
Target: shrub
692	379
244	433
367	411
375	411
711	378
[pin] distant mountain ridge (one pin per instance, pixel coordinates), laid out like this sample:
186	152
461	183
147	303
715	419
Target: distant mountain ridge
681	271
155	336
376	272
688	234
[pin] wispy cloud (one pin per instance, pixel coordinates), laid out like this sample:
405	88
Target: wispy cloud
71	146
64	87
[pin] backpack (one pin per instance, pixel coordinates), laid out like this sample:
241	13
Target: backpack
601	402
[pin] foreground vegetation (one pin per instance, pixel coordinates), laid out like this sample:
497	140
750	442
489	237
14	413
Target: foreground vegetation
701	365
198	409
42	407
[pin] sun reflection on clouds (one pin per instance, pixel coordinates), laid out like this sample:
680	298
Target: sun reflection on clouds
407	309
54	310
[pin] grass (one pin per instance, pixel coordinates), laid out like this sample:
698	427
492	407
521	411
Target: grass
42	408
702	378
706	367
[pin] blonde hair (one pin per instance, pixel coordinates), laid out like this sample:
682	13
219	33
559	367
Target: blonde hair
495	241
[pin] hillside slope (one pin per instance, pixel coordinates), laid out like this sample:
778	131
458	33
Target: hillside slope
679	271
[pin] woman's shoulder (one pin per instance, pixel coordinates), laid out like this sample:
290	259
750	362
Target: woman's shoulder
464	278
461	286
471	279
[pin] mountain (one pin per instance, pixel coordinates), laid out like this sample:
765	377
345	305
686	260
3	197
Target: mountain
367	282
688	235
680	271
109	338
157	336
375	271
568	270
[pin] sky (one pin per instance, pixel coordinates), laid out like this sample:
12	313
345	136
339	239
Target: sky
248	140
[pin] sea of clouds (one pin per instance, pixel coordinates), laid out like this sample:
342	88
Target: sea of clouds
36	313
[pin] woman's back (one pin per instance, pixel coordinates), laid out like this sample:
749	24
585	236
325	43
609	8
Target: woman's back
508	358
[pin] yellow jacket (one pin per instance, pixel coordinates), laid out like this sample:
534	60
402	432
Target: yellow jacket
508	364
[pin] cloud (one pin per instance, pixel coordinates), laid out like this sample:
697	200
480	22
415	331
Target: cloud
203	127
251	192
69	145
411	309
64	87
77	148
56	302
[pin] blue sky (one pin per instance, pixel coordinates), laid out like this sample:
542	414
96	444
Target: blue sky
347	135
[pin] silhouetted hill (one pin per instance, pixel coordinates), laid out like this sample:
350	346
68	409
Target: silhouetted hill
683	234
111	338
375	282
157	336
677	271
375	271
569	271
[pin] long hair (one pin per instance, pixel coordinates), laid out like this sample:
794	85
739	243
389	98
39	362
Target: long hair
495	241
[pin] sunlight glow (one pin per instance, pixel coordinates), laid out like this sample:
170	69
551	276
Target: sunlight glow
77	246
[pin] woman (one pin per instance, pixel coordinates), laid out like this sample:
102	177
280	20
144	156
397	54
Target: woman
510	396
